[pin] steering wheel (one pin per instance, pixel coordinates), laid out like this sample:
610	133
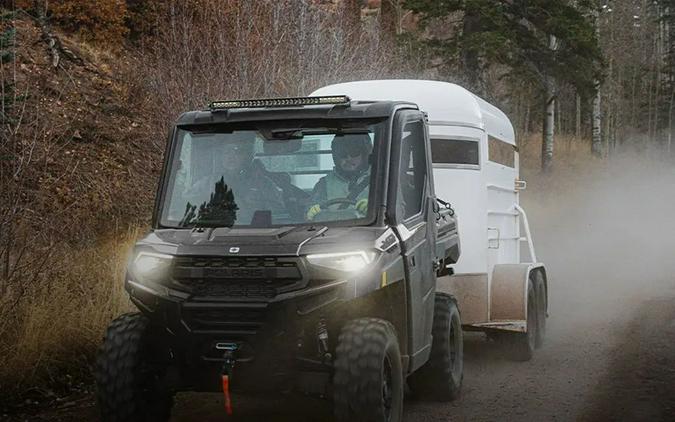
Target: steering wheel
336	201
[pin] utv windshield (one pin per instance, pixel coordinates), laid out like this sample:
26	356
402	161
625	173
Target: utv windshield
270	175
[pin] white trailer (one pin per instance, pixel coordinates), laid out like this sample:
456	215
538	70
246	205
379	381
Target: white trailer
476	169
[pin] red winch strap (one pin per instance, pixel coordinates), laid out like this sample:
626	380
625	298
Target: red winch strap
226	394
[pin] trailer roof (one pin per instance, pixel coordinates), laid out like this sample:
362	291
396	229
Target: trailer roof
444	102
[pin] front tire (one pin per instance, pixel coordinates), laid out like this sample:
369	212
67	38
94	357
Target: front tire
128	373
441	377
368	380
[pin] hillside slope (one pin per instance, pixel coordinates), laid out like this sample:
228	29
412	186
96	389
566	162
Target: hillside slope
77	178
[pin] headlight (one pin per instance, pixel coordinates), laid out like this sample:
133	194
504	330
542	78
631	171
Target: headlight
149	266
345	261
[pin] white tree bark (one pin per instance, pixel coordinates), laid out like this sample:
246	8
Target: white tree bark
549	117
596	140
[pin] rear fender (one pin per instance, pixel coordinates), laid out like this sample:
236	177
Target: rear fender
508	293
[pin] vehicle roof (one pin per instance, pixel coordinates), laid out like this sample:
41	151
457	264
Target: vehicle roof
445	103
355	110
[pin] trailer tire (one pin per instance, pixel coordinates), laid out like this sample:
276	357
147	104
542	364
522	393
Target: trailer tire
441	377
522	345
368	380
540	289
127	382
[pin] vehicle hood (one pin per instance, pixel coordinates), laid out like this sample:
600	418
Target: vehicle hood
278	241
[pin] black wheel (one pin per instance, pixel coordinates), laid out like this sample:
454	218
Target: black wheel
540	290
128	381
441	377
368	380
522	344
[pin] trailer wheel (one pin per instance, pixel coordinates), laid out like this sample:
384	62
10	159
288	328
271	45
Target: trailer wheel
540	289
128	382
522	345
368	379
441	377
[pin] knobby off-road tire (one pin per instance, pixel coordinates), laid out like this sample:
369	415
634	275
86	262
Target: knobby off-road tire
521	345
540	291
368	380
441	377
128	386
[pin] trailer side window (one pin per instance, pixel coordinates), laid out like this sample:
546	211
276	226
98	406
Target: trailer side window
501	152
412	170
454	151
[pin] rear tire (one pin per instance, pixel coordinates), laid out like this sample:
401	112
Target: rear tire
540	289
441	377
368	380
522	345
128	382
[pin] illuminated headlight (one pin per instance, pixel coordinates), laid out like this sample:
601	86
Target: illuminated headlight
149	266
345	261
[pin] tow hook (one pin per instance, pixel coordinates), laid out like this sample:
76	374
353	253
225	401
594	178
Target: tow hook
226	373
322	337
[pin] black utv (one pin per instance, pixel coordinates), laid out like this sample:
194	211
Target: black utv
295	246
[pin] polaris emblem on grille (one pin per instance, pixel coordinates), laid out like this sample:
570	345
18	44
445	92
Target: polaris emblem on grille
234	250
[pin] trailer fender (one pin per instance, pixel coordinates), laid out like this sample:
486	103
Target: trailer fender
508	290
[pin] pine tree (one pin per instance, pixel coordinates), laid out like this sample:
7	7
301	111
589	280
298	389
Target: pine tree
518	34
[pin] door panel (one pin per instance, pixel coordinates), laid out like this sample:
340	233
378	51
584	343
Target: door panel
411	211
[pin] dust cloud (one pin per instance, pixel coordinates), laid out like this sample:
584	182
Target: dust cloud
606	232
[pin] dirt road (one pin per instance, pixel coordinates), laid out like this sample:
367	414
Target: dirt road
612	369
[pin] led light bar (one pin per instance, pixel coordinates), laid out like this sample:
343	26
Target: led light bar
279	102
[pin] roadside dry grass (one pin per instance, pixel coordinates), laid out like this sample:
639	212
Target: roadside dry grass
56	329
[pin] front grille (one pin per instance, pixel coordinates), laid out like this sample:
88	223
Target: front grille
235	277
226	288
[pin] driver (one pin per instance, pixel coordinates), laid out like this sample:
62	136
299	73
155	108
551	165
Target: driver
350	178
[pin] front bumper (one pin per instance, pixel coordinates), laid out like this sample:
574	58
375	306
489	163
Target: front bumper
276	338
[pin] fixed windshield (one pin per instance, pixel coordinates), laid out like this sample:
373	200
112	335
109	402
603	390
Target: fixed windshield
271	175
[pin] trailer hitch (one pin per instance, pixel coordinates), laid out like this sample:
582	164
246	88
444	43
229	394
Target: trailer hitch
229	360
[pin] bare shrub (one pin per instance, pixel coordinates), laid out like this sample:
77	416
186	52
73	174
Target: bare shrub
207	50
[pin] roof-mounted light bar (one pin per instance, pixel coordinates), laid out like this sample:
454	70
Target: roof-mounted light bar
279	102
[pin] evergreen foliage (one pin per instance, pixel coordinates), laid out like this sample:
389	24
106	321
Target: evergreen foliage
516	33
7	51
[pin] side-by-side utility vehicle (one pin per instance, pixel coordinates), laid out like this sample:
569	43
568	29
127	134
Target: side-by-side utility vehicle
297	244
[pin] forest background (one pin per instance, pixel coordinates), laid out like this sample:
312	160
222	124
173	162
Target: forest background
90	88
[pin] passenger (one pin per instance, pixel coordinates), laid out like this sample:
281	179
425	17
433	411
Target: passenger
245	177
350	177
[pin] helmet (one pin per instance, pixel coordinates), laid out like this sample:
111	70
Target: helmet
352	144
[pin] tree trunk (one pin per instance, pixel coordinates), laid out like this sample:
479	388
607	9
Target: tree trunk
596	140
528	106
670	120
596	137
577	131
469	55
388	21
549	117
549	128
